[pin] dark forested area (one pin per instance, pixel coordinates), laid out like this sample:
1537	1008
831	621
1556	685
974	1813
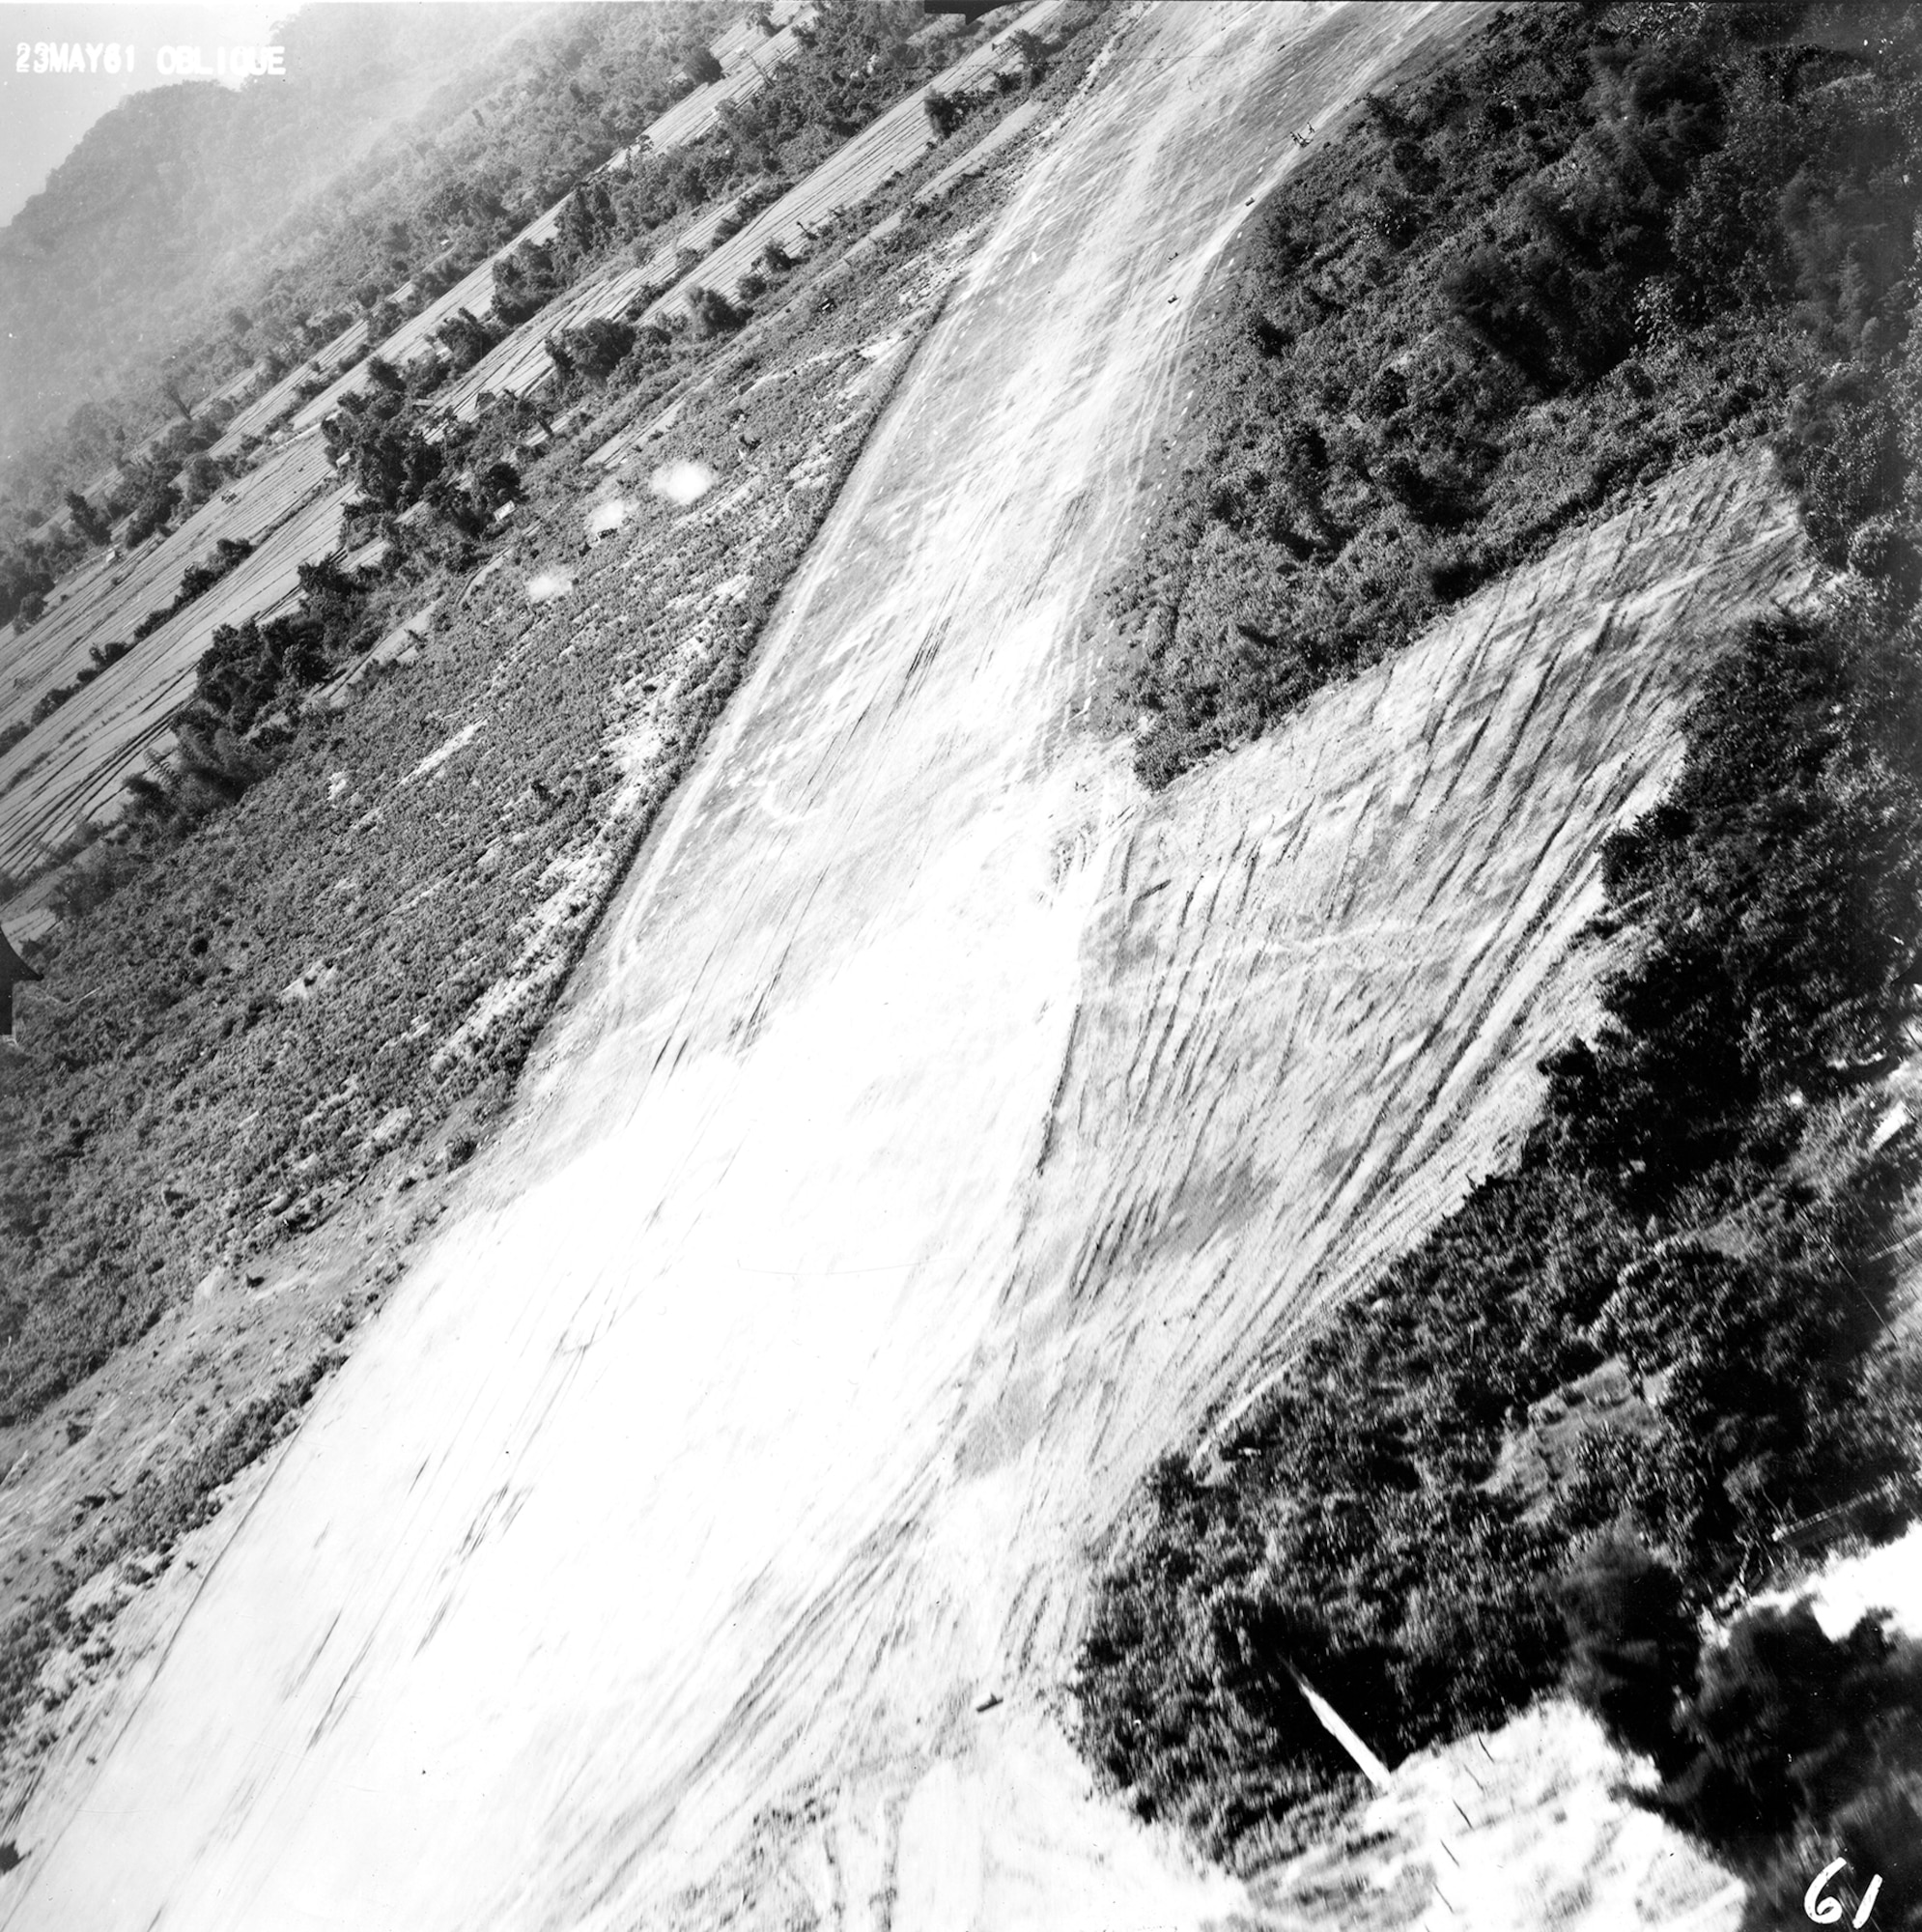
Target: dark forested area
1601	240
1703	1221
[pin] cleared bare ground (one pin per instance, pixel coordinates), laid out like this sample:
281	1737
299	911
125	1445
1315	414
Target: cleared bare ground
937	1132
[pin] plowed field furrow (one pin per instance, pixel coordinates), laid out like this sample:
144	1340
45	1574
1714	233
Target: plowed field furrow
107	597
82	767
683	122
938	1132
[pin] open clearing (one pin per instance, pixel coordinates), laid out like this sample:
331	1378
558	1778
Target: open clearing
936	1133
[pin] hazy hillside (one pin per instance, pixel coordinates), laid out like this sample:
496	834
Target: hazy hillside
161	213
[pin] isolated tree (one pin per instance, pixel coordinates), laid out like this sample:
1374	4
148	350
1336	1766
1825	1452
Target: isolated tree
596	347
700	67
86	519
712	314
943	112
499	483
467	338
525	282
1631	1642
156	503
202	476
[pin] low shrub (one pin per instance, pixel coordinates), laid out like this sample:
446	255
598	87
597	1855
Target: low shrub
1631	1642
711	313
943	112
597	347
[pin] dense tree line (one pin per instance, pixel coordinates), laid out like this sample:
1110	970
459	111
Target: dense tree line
1601	240
1703	1204
1706	1207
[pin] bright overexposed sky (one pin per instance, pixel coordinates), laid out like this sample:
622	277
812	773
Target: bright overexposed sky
43	115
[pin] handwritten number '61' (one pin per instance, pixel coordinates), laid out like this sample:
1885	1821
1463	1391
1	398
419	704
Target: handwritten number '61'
1826	1910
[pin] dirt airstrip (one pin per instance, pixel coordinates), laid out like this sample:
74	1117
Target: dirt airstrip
937	1132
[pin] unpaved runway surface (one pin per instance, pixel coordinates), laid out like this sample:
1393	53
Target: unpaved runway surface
937	1134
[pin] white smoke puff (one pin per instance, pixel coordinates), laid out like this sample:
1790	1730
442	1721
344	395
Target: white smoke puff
607	518
550	585
681	483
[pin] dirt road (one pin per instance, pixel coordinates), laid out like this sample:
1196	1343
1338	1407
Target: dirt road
936	1134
